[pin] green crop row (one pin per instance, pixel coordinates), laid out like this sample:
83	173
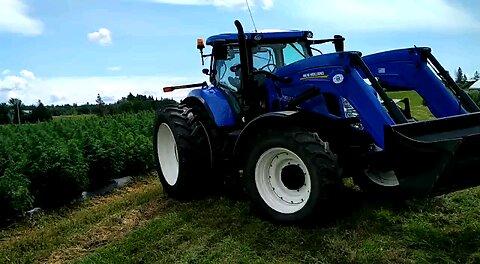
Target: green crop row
50	164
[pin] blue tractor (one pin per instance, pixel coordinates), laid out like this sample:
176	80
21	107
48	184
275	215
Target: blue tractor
290	125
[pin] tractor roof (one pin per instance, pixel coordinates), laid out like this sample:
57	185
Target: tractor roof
280	35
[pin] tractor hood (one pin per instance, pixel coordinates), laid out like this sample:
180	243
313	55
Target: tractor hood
337	59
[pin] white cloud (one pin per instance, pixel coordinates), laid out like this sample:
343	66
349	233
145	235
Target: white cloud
14	19
27	75
115	68
16	82
398	15
12	82
5	72
265	4
103	36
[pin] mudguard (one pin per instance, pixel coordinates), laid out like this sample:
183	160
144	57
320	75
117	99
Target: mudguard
260	124
216	103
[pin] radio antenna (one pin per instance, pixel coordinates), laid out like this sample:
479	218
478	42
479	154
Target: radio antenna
251	16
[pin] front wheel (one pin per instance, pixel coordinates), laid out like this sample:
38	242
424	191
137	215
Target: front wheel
291	176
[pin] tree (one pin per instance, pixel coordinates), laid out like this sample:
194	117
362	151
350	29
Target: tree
101	109
459	76
17	113
476	76
40	113
4	114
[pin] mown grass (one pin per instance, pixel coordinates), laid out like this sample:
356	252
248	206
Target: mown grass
54	236
442	230
418	109
140	224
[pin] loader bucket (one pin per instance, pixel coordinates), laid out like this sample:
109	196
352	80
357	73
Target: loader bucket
436	156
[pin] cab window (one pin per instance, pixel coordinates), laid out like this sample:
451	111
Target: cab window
228	70
264	58
294	52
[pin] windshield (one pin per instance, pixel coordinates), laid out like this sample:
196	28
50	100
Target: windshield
267	57
294	52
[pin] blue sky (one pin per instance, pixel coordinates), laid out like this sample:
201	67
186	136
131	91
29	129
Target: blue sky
68	51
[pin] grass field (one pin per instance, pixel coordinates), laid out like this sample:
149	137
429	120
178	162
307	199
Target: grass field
139	224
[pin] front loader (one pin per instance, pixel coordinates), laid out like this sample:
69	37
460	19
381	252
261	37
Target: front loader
290	125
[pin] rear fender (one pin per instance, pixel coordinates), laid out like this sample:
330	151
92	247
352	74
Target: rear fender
265	122
215	103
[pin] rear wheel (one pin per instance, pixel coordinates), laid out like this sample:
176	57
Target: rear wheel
182	151
291	176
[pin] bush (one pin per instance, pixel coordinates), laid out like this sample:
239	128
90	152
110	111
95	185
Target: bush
105	161
15	197
58	173
475	96
138	154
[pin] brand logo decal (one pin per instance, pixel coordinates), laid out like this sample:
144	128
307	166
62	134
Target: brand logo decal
314	75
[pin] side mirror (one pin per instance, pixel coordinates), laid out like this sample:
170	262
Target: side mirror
338	42
206	71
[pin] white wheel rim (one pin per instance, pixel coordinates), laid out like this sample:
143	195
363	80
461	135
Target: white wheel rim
383	178
167	154
270	179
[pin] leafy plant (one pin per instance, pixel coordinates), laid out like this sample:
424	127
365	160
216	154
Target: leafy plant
15	197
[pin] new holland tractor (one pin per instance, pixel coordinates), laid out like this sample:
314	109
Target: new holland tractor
290	125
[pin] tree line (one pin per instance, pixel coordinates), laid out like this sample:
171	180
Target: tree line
16	112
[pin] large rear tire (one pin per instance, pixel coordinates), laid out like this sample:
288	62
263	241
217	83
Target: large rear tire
291	176
182	151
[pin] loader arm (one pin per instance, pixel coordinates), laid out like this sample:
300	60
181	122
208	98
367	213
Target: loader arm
408	69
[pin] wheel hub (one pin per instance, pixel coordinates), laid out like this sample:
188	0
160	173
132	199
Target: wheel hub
292	177
282	180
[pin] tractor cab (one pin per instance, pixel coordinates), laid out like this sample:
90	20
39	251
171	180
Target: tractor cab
269	51
259	55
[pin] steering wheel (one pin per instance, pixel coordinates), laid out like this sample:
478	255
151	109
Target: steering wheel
268	67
